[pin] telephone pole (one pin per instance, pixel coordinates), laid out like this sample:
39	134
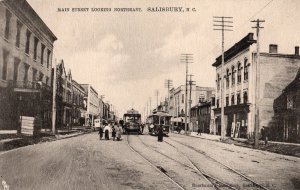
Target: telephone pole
186	58
54	99
168	85
191	83
257	82
224	24
150	107
156	94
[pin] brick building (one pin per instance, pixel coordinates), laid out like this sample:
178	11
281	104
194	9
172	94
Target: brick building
276	71
26	46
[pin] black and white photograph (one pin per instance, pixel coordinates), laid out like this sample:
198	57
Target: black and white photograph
149	94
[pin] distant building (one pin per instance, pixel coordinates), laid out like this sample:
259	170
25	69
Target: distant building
276	71
79	111
201	117
287	113
91	102
26	46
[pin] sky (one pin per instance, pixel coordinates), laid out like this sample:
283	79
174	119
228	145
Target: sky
127	56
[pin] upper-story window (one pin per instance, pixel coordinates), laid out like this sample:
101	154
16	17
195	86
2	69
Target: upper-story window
42	54
227	101
7	24
227	78
238	98
27	46
245	98
213	103
232	75
291	101
232	100
182	98
218	104
5	63
36	42
239	74
48	57
246	69
19	27
218	81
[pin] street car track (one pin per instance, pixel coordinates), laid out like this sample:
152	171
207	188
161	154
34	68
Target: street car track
217	184
256	185
154	166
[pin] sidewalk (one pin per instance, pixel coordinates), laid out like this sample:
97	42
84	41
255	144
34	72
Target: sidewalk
10	140
291	149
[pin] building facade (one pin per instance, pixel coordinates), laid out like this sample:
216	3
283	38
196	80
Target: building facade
287	113
91	102
26	46
239	77
201	117
79	111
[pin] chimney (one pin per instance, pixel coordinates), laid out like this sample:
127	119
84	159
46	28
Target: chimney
273	48
296	50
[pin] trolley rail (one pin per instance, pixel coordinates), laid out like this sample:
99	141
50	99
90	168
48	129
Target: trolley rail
255	184
153	165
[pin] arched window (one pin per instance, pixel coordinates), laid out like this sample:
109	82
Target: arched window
239	73
232	75
227	78
246	69
245	97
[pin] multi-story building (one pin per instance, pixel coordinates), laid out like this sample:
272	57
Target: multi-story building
287	113
26	46
64	96
79	110
201	117
92	104
177	101
239	75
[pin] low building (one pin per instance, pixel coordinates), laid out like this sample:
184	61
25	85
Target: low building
287	113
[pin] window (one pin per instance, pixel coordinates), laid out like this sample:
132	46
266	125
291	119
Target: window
41	76
218	103
28	34
42	54
182	98
213	99
246	69
239	73
233	76
34	72
19	27
227	101
7	23
218	82
245	97
227	78
4	68
36	42
16	68
47	80
48	58
238	98
232	100
26	66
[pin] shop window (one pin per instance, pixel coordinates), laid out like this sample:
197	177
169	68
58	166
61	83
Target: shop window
239	74
19	27
246	69
27	46
7	24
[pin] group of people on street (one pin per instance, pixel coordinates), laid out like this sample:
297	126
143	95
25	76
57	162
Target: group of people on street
112	128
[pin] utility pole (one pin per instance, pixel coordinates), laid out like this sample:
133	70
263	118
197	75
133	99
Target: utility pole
186	58
257	82
150	106
54	99
222	23
168	85
191	83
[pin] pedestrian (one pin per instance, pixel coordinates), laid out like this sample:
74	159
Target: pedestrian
118	132
199	131
266	135
160	134
142	128
106	132
101	132
113	132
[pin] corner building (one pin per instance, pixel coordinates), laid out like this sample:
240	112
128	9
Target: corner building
26	46
239	75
